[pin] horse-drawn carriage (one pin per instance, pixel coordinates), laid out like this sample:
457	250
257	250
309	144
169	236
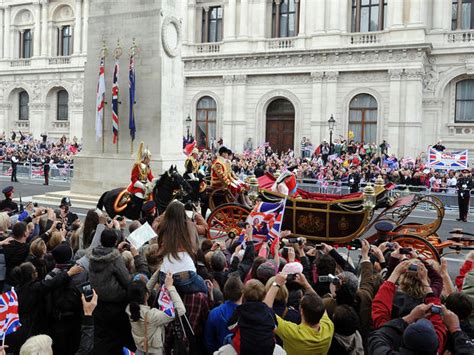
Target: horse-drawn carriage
340	219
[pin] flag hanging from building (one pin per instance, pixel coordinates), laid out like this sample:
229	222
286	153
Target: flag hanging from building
9	319
100	104
165	303
115	102
131	78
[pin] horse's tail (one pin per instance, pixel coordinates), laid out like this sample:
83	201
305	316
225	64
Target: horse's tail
100	204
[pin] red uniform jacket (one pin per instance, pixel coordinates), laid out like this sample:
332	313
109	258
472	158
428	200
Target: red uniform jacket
139	174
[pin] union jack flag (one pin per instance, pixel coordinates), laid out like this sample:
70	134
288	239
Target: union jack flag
9	319
131	80
266	219
100	103
165	303
127	352
115	102
447	160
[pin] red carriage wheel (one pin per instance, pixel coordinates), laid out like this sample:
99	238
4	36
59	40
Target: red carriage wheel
225	219
424	248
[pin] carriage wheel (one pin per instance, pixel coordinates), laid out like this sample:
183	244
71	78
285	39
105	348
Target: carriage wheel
225	219
409	228
425	249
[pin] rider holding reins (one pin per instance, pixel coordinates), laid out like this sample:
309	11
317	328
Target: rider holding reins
141	174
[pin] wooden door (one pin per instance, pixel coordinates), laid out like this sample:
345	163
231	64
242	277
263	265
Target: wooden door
280	134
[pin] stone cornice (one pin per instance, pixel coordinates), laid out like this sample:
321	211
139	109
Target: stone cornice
308	58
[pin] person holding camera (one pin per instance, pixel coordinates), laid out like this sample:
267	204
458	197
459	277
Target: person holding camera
65	215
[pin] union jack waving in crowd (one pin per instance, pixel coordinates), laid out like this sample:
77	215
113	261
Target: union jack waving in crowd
9	319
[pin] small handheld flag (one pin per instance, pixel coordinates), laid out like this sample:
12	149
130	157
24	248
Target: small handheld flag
9	319
165	303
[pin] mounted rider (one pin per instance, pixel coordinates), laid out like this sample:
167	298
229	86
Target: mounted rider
141	174
192	174
222	175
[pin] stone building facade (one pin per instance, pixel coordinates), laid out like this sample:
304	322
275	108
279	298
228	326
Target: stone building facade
43	51
272	69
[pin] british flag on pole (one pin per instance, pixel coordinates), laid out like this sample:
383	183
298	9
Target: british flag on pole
9	319
115	102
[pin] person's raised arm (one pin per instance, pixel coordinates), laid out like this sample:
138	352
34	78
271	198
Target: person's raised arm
280	280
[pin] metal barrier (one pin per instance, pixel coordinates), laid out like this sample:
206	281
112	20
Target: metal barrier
34	171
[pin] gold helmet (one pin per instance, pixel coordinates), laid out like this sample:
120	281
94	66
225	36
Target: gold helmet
142	153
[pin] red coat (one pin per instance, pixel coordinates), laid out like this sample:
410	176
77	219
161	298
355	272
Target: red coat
139	175
465	268
382	310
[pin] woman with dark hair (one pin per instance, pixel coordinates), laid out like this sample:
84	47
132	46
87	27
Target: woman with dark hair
148	324
90	225
177	236
31	293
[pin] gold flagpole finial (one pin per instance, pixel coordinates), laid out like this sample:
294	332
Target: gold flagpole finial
104	50
118	50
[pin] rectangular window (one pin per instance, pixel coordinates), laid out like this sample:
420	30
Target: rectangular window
63	106
465	101
65	41
368	15
25	44
285	18
212	24
462	15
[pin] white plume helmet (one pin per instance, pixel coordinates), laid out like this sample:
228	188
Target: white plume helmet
142	153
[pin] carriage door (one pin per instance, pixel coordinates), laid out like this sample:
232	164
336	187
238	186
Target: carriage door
363	118
280	127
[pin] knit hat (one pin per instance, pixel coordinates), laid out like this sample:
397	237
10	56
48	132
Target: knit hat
293	268
266	270
108	238
420	337
62	253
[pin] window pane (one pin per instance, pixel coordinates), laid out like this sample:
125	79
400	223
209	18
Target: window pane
466	16
365	2
284	25
284	7
219	31
364	19
363	101
291	26
465	101
291	5
384	25
465	90
465	111
454	12
356	128
23	105
206	102
353	21
211	131
370	133
371	116
201	136
374	18
355	116
63	106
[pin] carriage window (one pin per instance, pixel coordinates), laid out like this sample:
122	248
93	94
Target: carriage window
206	122
363	118
465	101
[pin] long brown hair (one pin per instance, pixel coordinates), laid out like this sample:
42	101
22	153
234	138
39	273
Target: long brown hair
173	231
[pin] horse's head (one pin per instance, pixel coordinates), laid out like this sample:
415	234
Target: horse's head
177	182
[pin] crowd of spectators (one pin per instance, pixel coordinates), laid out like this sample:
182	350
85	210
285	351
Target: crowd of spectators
231	297
333	165
26	149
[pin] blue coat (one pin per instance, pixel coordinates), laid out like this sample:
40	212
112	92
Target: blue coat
216	325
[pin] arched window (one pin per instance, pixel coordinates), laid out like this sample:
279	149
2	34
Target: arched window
26	44
62	112
363	118
65	41
206	114
368	15
465	101
285	18
23	107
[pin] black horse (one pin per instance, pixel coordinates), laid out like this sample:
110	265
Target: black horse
170	185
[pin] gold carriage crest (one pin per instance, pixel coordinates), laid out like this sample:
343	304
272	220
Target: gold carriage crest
343	224
311	223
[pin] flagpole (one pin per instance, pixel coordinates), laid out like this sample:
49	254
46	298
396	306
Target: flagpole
117	54
103	54
133	51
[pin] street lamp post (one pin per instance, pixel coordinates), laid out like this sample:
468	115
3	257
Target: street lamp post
331	123
188	125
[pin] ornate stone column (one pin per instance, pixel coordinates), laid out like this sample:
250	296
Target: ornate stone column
206	24
227	109
244	12
413	112
85	26
318	15
391	131
2	12
239	121
277	18
316	106
191	22
334	15
331	103
414	18
440	20
45	41
6	34
229	19
78	28
395	13
37	30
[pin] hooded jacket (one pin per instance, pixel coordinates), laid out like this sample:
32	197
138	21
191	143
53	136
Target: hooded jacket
108	274
346	344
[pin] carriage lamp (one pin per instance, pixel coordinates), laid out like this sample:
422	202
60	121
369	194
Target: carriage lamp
379	183
369	197
253	193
